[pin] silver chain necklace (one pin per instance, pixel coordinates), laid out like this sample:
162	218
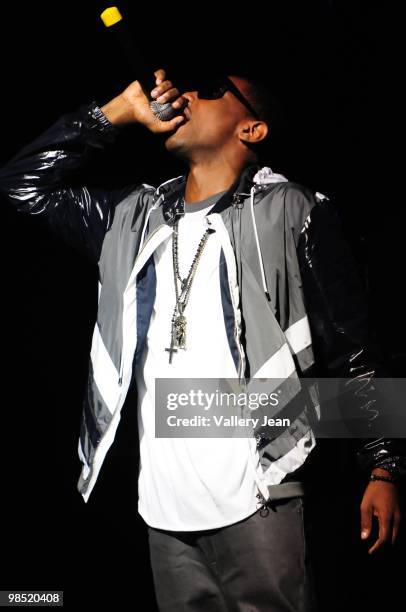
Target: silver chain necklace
178	324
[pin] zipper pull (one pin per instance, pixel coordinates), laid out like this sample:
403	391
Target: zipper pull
120	377
263	505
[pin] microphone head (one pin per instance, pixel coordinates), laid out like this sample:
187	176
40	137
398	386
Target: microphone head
164	111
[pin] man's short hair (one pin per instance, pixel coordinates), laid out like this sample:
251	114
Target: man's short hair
264	97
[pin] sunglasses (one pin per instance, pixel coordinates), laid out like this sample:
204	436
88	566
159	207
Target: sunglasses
215	88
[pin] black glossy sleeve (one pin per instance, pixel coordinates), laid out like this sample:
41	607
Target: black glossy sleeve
338	316
37	180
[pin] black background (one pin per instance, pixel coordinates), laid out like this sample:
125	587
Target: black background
333	69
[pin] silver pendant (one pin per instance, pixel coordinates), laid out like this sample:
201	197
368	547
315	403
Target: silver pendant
179	328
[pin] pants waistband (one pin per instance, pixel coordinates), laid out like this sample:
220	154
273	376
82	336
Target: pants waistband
294	488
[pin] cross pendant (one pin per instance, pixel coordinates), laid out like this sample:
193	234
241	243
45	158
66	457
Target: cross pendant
171	349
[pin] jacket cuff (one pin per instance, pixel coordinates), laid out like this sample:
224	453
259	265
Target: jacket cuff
394	464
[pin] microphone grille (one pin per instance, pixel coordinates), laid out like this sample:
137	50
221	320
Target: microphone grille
164	111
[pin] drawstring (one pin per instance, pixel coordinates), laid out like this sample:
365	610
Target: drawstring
264	176
146	221
261	263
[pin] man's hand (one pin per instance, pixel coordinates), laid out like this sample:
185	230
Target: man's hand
381	499
132	105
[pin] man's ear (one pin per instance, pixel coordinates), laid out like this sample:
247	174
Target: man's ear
252	130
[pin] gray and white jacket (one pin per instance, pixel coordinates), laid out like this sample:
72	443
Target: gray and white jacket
284	270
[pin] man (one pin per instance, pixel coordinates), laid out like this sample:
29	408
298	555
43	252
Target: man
227	271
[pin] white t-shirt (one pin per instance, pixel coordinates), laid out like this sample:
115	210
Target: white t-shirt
191	484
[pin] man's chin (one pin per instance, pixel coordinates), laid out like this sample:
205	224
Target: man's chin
175	145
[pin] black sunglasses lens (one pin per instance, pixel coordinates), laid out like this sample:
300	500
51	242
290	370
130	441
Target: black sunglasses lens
211	90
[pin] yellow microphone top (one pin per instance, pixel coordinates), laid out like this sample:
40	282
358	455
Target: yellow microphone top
111	16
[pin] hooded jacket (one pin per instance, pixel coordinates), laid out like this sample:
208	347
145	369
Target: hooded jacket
284	270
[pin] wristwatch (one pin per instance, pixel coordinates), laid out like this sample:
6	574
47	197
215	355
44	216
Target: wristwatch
97	123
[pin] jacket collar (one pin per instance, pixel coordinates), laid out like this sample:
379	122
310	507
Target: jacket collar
172	205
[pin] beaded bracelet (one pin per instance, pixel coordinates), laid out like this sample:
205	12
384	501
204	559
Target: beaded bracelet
386	478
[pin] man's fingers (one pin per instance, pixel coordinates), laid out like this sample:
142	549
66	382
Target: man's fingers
168	95
164	92
381	500
179	102
159	76
385	522
161	88
366	520
396	524
167	126
176	121
375	547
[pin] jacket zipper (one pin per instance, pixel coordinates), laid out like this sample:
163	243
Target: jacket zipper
238	203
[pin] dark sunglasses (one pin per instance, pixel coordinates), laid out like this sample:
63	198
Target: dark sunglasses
215	88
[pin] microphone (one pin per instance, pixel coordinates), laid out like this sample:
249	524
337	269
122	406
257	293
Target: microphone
113	20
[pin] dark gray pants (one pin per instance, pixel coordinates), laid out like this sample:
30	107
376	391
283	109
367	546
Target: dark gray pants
260	564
